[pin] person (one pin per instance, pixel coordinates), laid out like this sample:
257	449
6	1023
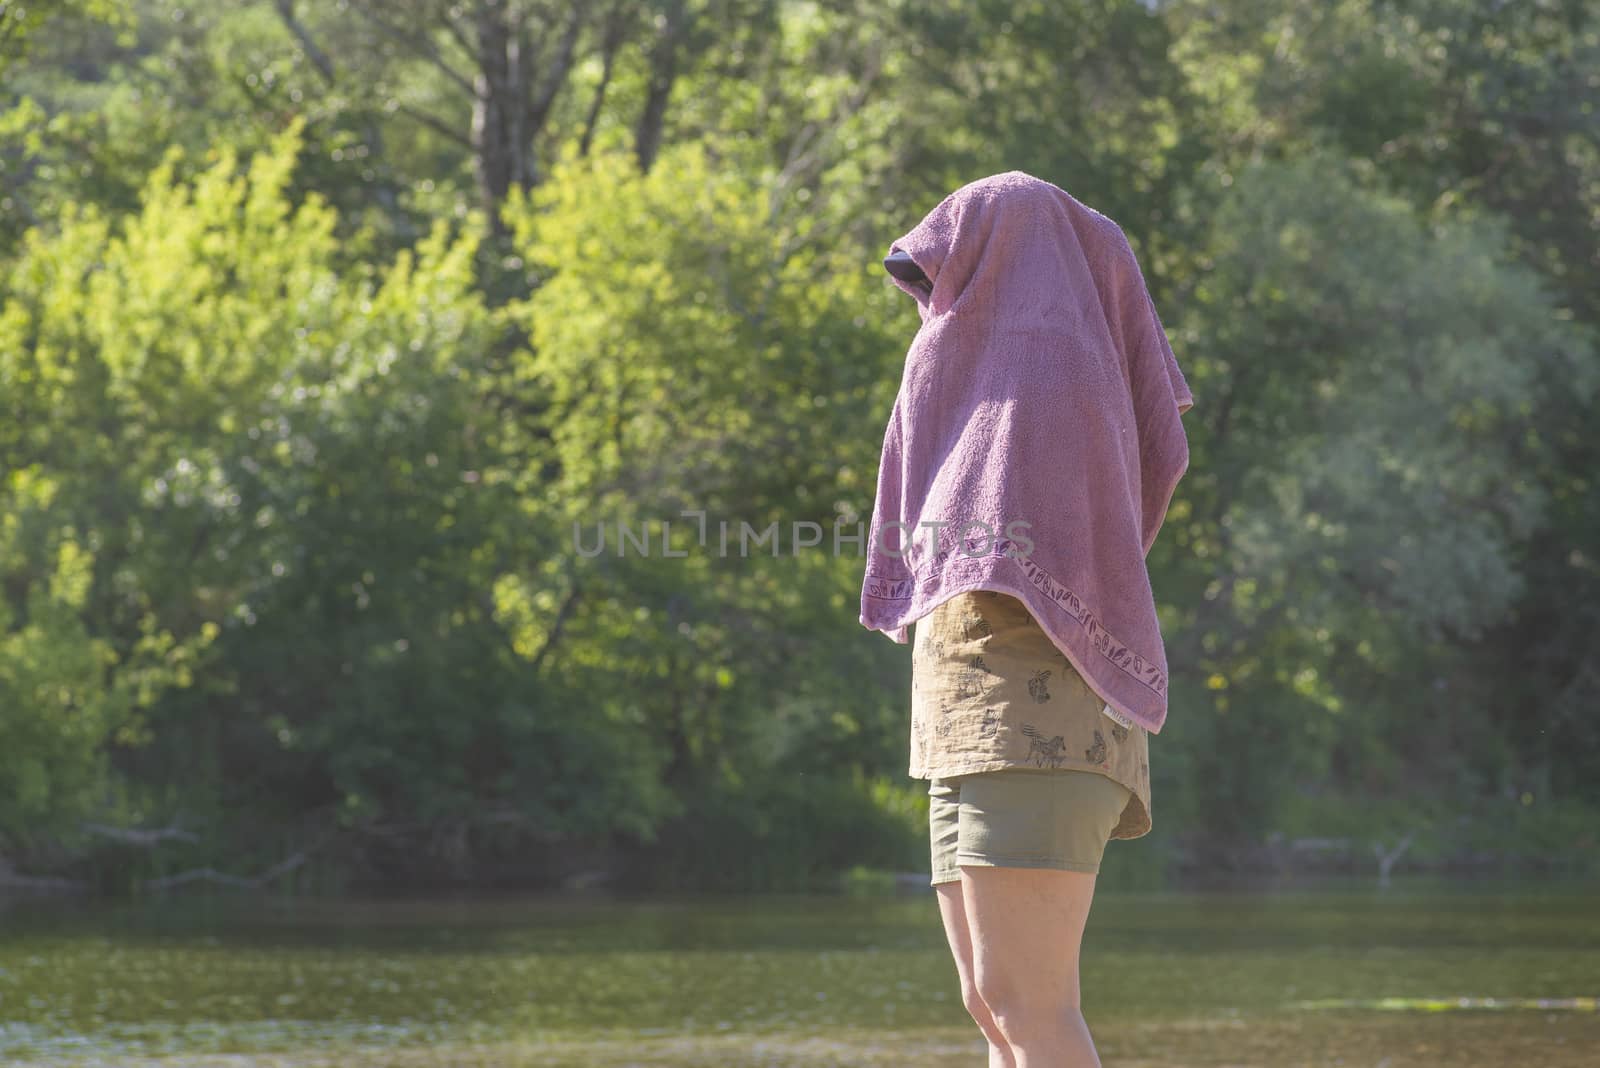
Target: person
1041	403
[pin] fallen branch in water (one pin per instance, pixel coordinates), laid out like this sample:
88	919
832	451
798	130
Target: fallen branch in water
212	875
11	880
1386	858
243	882
142	836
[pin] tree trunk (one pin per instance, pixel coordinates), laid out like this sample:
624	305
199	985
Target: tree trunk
663	72
499	115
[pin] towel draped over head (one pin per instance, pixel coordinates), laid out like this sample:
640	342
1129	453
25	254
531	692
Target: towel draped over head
1036	439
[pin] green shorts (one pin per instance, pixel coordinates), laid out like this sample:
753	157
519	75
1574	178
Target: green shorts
1022	818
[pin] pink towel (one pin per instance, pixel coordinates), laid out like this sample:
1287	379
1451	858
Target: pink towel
1040	406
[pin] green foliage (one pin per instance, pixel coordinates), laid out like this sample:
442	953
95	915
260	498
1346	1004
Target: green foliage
297	451
698	358
66	695
20	23
273	451
789	831
1357	496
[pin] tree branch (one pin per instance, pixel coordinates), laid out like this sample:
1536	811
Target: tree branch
562	614
611	44
141	836
556	75
318	57
419	44
457	34
211	875
437	125
10	880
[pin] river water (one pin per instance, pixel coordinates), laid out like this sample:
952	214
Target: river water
1413	974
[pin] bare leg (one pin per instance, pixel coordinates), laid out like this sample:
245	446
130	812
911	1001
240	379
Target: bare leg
955	929
1026	926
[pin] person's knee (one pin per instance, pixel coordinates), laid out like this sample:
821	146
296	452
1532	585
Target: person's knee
999	997
979	1011
1033	1024
976	1006
1016	1005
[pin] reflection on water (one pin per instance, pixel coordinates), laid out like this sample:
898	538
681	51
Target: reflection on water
1286	977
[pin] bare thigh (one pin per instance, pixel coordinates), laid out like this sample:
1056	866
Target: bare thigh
1019	926
954	913
1023	932
953	910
